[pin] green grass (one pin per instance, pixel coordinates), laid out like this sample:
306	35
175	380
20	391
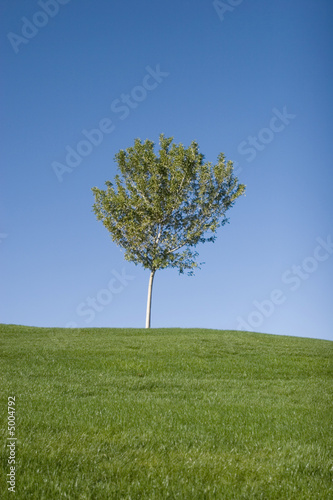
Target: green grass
168	414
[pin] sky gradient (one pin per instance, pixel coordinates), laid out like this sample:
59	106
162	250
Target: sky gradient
252	79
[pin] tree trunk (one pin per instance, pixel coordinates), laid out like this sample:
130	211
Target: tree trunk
150	288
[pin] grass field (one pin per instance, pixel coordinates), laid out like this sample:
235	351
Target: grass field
172	413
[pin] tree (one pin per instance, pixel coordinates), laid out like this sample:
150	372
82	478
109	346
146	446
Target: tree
160	207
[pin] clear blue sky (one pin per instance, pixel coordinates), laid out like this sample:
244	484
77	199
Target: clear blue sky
252	80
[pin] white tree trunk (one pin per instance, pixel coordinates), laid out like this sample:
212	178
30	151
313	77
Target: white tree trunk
150	289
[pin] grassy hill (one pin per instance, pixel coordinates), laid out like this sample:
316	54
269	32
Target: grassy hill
167	414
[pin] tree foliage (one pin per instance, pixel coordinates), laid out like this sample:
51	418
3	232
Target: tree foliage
160	206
